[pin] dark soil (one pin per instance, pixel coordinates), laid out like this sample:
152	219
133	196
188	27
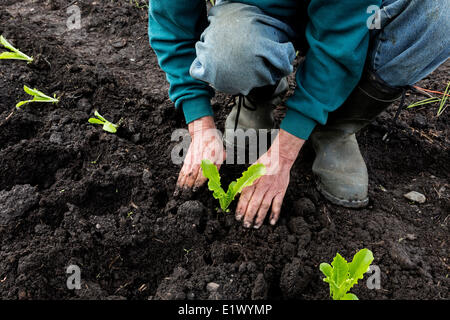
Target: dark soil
71	193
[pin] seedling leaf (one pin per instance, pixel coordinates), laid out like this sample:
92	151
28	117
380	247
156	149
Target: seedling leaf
95	121
360	265
31	92
444	100
340	268
210	172
248	177
10	56
14	54
38	96
326	269
98	115
107	125
342	276
21	103
7	45
350	296
423	102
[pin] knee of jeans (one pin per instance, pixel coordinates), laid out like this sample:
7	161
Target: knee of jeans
419	47
228	59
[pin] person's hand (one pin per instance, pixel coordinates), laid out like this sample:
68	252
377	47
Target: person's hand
269	190
206	143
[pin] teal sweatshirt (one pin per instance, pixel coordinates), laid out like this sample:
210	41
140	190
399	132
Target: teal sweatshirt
336	32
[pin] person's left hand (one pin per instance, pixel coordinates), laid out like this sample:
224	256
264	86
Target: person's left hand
270	189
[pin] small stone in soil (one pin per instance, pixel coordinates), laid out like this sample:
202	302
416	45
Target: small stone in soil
212	287
415	196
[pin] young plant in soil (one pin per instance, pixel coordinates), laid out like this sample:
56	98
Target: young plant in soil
442	101
342	276
13	54
38	96
211	172
107	125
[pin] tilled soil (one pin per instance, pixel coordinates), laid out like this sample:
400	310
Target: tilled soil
72	194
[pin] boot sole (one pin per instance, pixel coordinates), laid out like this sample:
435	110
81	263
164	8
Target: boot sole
353	204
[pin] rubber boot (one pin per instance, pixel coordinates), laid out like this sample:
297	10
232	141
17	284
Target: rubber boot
339	167
255	111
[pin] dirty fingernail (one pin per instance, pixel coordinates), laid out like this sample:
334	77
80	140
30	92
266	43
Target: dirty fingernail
256	226
247	225
239	217
273	221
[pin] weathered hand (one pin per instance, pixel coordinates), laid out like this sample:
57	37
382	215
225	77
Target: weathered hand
270	189
206	143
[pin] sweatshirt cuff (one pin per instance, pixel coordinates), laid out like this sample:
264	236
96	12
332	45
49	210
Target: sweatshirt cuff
196	108
297	124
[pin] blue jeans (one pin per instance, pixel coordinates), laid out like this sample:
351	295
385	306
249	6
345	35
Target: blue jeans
243	48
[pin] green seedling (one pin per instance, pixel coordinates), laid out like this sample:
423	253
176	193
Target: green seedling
442	101
107	125
211	172
38	96
342	276
13	54
442	106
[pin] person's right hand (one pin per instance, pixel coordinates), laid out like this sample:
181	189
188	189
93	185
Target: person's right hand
206	143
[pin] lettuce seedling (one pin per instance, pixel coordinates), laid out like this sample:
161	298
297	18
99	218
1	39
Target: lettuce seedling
211	172
14	53
342	276
38	96
107	125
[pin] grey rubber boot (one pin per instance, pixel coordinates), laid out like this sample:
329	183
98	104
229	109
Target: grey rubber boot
339	166
255	111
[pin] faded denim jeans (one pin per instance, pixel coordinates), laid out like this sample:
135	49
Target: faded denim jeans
256	50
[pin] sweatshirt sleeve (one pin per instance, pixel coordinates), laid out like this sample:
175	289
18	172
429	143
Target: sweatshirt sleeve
338	37
174	28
